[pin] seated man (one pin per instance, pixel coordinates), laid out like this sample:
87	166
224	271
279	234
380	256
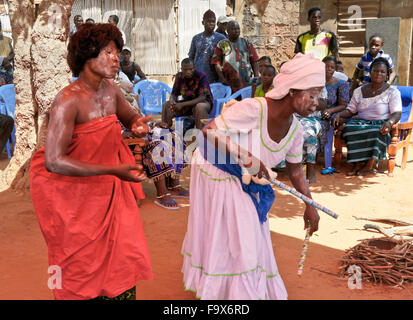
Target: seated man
130	68
194	88
6	127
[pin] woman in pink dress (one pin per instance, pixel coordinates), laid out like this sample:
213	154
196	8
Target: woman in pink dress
227	249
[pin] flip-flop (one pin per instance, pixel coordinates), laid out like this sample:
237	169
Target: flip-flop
329	170
184	195
161	204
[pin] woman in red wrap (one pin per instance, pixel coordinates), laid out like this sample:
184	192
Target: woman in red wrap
83	181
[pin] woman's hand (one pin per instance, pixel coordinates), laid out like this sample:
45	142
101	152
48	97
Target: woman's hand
125	172
311	219
325	115
140	126
386	128
255	167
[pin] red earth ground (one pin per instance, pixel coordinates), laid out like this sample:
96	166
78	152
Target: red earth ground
23	264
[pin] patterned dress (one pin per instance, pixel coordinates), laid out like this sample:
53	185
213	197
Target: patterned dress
201	51
362	135
336	92
236	59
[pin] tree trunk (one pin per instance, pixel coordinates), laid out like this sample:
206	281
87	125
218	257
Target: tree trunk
41	71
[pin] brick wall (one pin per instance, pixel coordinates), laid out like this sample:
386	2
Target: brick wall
271	25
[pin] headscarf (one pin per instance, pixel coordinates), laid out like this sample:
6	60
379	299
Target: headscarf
209	14
302	72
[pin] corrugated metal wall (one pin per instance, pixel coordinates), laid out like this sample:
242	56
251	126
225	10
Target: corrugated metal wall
153	36
5	19
152	27
100	10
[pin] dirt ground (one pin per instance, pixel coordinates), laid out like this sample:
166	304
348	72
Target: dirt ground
23	264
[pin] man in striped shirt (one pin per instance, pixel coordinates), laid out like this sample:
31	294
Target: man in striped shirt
362	72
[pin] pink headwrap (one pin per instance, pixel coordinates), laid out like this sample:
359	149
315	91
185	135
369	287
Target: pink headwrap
302	72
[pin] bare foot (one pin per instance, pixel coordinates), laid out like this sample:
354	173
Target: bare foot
310	173
312	179
356	167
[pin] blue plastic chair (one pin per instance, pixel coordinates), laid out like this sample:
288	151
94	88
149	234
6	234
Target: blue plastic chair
7	105
404	129
218	91
407	97
243	93
151	95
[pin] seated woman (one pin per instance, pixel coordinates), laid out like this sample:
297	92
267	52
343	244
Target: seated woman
130	68
337	99
379	107
163	159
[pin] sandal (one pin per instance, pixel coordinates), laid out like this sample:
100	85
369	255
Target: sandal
164	203
329	170
184	194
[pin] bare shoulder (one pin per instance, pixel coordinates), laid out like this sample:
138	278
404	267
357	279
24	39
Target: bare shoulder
67	98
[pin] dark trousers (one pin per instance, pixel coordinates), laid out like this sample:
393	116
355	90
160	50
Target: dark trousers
6	127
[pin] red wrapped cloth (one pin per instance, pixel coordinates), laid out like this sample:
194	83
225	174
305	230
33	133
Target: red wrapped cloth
91	224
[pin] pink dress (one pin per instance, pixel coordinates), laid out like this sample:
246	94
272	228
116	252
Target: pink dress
227	253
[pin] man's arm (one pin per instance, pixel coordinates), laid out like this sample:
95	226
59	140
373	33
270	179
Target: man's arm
392	76
333	46
253	57
191	103
220	74
298	46
216	60
139	71
11	55
192	50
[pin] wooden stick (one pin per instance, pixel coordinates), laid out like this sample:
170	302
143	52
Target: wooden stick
304	253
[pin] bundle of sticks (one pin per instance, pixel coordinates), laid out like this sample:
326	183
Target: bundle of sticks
382	261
